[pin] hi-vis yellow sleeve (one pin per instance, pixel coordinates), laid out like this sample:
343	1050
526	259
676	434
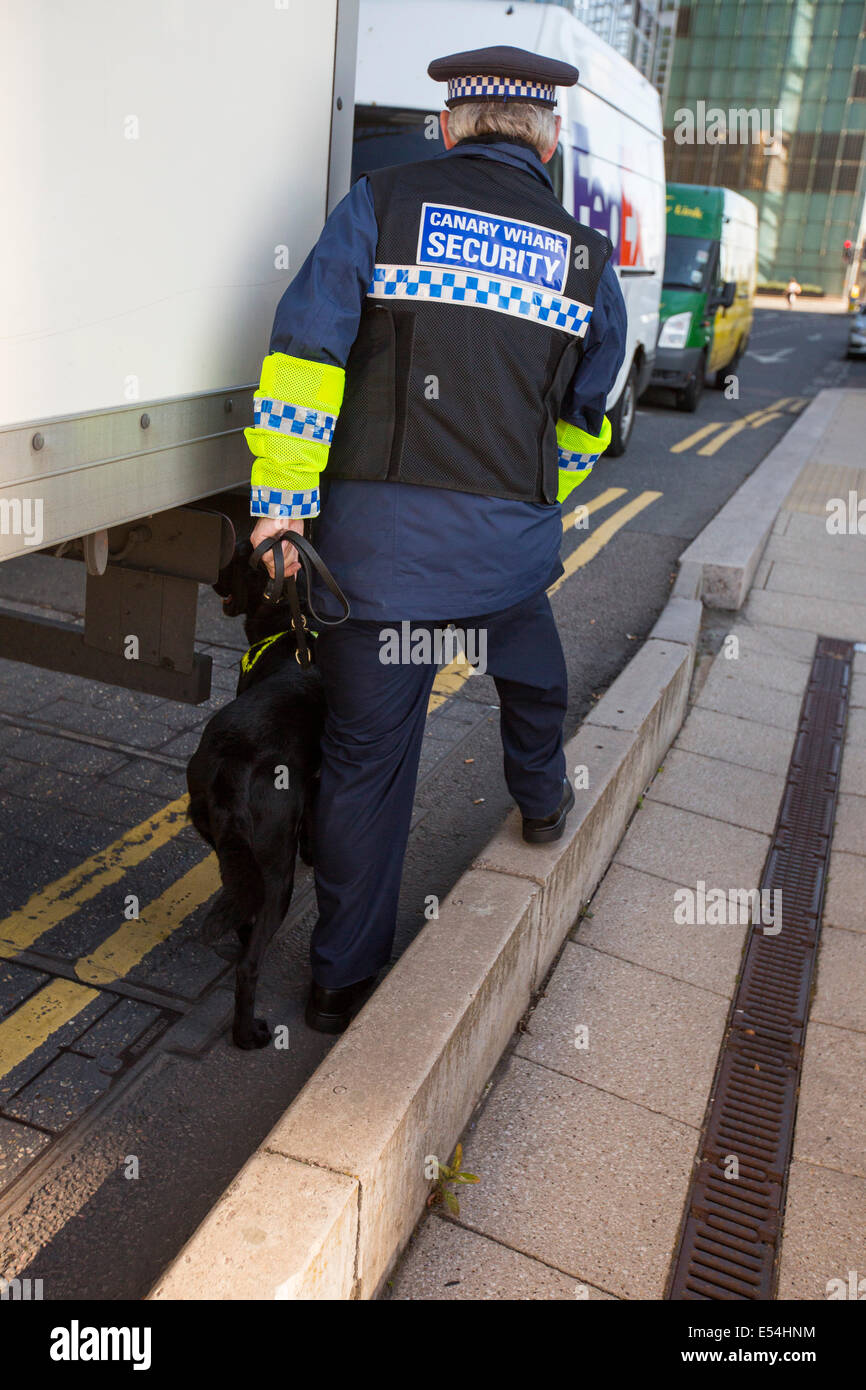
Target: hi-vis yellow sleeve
578	451
295	413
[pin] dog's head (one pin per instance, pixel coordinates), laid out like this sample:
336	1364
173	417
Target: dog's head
242	590
240	587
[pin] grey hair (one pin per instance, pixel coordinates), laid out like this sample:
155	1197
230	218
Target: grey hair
521	120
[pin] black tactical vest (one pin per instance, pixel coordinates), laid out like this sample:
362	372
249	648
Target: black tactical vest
471	334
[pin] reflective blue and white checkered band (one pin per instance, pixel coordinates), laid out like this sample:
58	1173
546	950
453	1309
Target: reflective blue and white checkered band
481	291
483	88
299	420
267	501
576	461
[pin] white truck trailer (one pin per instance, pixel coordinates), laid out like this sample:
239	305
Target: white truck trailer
166	168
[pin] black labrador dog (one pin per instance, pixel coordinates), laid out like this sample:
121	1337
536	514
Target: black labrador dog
251	784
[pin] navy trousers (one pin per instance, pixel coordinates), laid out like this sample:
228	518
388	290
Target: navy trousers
370	753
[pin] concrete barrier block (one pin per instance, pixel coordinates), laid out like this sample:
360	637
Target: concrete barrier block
282	1230
569	869
585	857
645	689
621	744
593	757
401	1084
688	581
680	621
731	545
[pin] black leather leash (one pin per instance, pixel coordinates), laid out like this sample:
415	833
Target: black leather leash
279	585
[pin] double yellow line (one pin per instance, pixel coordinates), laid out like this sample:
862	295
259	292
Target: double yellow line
589	548
61	1000
453	676
753	420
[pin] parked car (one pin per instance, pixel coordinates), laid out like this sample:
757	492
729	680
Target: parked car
857	332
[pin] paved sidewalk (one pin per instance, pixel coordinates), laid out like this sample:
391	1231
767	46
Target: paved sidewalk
585	1141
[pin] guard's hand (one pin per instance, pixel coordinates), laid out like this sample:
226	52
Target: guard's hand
272	526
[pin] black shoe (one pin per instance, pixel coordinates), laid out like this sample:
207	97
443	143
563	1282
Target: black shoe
541	830
331	1010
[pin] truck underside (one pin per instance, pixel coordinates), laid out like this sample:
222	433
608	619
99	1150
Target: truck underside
169	481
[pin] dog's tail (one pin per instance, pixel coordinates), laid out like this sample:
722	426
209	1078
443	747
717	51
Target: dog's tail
242	893
197	812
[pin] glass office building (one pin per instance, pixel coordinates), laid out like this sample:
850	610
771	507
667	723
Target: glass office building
768	97
641	30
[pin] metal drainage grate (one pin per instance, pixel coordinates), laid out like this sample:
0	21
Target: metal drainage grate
729	1241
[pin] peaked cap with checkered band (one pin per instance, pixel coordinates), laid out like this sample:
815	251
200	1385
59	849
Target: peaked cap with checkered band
502	73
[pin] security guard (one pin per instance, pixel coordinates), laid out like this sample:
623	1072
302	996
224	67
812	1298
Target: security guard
443	357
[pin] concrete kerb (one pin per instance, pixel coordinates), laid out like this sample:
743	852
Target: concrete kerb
728	550
617	749
281	1230
326	1205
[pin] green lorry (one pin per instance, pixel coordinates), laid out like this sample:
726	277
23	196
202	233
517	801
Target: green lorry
708	290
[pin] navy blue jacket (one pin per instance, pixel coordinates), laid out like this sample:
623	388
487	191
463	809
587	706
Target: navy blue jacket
400	551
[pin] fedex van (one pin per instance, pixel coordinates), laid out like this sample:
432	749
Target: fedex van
711	269
609	167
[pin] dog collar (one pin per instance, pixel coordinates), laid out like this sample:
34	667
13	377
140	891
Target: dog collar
251	656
